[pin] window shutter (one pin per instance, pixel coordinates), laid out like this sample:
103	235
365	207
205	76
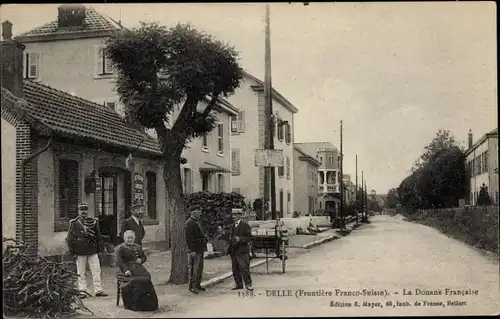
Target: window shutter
109	69
33	60
287	167
97	61
241	121
288	133
235	161
221	138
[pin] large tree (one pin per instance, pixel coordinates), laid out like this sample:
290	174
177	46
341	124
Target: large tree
161	70
443	139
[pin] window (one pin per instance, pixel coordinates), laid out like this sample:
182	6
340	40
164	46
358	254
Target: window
288	133
68	188
235	161
287	167
188	189
109	194
321	159
238	123
234	124
204	142
288	196
205	182
31	65
103	65
281	171
220	183
220	136
280	130
151	194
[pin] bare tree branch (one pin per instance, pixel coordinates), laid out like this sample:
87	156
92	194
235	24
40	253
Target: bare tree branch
211	105
186	113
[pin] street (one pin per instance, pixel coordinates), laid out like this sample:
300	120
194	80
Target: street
388	255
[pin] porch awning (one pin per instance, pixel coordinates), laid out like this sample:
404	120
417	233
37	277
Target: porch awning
207	168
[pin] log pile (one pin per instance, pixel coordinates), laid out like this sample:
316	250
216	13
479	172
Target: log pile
36	287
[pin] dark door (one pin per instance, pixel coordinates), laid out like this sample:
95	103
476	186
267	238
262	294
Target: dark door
109	205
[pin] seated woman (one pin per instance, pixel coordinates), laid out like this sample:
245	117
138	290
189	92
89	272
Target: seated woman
138	293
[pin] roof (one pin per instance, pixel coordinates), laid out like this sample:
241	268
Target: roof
306	156
95	23
280	98
312	148
492	133
212	168
73	117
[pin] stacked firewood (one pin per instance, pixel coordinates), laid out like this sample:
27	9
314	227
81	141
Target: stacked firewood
36	287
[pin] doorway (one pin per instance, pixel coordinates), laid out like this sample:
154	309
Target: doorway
116	187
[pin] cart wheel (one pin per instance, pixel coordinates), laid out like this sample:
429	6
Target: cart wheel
283	255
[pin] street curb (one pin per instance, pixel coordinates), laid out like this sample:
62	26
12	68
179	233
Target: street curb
224	276
319	242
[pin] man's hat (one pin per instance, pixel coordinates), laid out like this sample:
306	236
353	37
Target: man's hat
83	206
136	205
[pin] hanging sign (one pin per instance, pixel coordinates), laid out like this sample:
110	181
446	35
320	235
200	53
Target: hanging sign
138	186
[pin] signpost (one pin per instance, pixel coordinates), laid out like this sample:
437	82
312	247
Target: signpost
138	188
268	158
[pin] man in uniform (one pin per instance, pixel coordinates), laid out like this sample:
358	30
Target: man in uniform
85	242
134	223
239	249
196	240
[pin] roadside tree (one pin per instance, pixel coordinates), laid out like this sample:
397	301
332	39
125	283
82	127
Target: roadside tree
162	70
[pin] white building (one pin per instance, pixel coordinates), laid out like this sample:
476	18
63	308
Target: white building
248	134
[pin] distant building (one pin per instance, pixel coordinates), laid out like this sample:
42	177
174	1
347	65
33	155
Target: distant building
482	166
305	169
328	173
349	190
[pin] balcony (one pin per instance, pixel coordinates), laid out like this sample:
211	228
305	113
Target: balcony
329	188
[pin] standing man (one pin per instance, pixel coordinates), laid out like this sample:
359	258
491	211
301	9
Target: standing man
239	249
196	240
85	242
134	223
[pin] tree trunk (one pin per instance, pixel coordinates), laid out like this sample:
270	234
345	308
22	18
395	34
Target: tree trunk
175	198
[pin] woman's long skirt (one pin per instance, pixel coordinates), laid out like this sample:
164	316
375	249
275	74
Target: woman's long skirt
139	295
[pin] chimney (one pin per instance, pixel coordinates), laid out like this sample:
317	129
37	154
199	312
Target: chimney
11	56
71	15
470	139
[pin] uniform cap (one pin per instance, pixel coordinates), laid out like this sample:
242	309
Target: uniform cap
136	205
83	206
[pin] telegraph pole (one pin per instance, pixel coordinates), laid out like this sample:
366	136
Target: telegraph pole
269	185
357	204
366	201
341	178
362	195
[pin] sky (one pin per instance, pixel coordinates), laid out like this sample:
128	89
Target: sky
394	73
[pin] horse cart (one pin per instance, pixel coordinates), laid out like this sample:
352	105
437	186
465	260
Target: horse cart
273	242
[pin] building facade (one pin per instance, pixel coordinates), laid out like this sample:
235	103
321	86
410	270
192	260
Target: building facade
79	151
482	166
328	173
68	54
248	134
306	183
349	190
